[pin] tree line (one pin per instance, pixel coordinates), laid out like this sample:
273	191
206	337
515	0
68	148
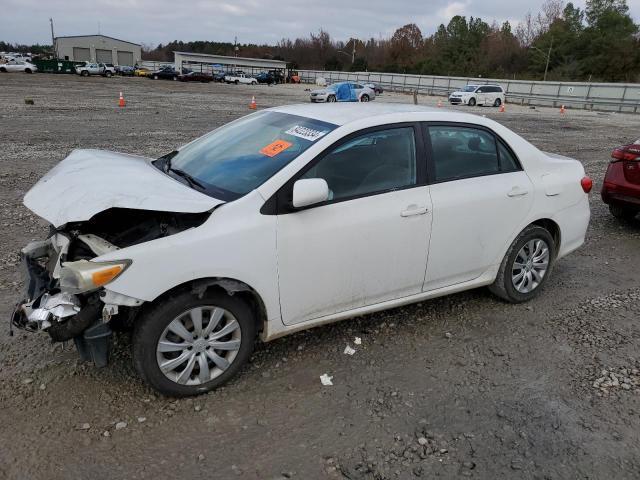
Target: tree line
561	42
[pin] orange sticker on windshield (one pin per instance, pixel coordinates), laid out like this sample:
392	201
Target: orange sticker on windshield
275	148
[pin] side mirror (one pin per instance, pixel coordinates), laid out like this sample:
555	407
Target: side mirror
310	191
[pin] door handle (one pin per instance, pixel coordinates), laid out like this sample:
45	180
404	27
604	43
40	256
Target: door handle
517	192
414	210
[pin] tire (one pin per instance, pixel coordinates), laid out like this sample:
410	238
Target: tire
154	327
254	83
155	77
107	74
504	285
27	70
472	102
236	82
3	70
364	98
622	212
84	73
175	78
497	103
331	99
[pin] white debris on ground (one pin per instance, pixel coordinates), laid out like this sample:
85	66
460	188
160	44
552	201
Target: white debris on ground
618	379
326	380
348	350
357	341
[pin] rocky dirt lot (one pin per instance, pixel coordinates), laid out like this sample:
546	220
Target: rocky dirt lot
462	386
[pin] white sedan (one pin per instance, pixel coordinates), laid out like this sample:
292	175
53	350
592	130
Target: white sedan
26	67
286	219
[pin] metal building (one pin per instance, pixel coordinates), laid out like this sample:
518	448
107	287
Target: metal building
207	63
97	48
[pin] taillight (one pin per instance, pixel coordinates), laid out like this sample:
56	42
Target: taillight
628	152
587	184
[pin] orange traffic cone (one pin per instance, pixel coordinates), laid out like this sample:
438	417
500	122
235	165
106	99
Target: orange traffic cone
439	103
121	102
253	105
562	109
501	109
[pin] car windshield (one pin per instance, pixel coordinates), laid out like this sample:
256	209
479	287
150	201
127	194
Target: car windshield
239	157
470	88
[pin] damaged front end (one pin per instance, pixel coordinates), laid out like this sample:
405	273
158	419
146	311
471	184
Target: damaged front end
65	294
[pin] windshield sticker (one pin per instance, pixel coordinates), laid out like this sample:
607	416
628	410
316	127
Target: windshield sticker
306	133
274	148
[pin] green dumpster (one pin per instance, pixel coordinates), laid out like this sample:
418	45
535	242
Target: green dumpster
56	66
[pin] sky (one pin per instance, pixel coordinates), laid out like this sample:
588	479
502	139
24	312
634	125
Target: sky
151	22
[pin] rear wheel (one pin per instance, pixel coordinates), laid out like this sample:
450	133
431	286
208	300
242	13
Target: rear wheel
497	103
107	73
155	77
526	265
187	345
472	102
84	73
364	98
175	78
27	70
236	82
623	212
3	70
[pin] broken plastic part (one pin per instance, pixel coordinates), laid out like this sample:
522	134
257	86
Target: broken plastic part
326	380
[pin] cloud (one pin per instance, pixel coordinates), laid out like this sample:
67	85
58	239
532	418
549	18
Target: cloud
252	21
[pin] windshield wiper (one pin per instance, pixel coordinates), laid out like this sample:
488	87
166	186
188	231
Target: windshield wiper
181	173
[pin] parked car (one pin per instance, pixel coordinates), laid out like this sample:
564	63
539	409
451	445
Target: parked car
89	68
219	76
22	66
293	77
240	78
375	87
141	72
478	95
265	77
165	73
621	186
343	92
195	77
125	70
286	219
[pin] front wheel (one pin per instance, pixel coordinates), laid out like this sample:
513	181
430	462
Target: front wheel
155	77
186	345
236	82
497	103
472	102
364	98
175	78
526	265
107	74
84	73
331	98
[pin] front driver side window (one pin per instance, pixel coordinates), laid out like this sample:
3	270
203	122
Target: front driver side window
373	162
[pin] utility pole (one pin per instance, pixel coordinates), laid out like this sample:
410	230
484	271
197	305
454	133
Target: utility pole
353	51
235	46
53	39
546	68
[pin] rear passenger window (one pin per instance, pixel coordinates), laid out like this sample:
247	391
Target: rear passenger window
507	161
460	152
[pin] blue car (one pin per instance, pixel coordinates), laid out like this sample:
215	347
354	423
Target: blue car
343	92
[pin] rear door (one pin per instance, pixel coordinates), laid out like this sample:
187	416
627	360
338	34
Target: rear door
480	195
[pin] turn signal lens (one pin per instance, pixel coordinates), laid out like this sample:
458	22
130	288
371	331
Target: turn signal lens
101	277
587	184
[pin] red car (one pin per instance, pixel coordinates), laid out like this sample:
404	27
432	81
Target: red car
621	187
195	77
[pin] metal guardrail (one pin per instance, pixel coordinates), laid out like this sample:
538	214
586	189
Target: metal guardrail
594	96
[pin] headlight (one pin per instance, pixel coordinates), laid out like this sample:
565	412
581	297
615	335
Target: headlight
83	275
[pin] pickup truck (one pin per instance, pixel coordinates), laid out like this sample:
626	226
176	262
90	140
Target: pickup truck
240	78
95	69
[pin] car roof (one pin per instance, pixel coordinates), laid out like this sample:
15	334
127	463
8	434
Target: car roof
343	113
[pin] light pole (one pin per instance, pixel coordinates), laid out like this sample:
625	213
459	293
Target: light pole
548	54
353	51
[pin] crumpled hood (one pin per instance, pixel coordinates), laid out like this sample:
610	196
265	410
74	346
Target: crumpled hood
88	182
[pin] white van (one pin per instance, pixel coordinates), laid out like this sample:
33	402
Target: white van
478	95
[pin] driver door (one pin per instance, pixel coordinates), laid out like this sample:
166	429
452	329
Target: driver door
369	242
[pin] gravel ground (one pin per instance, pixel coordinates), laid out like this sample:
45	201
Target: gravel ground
462	386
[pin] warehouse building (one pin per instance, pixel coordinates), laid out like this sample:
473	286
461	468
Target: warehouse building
98	48
202	62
